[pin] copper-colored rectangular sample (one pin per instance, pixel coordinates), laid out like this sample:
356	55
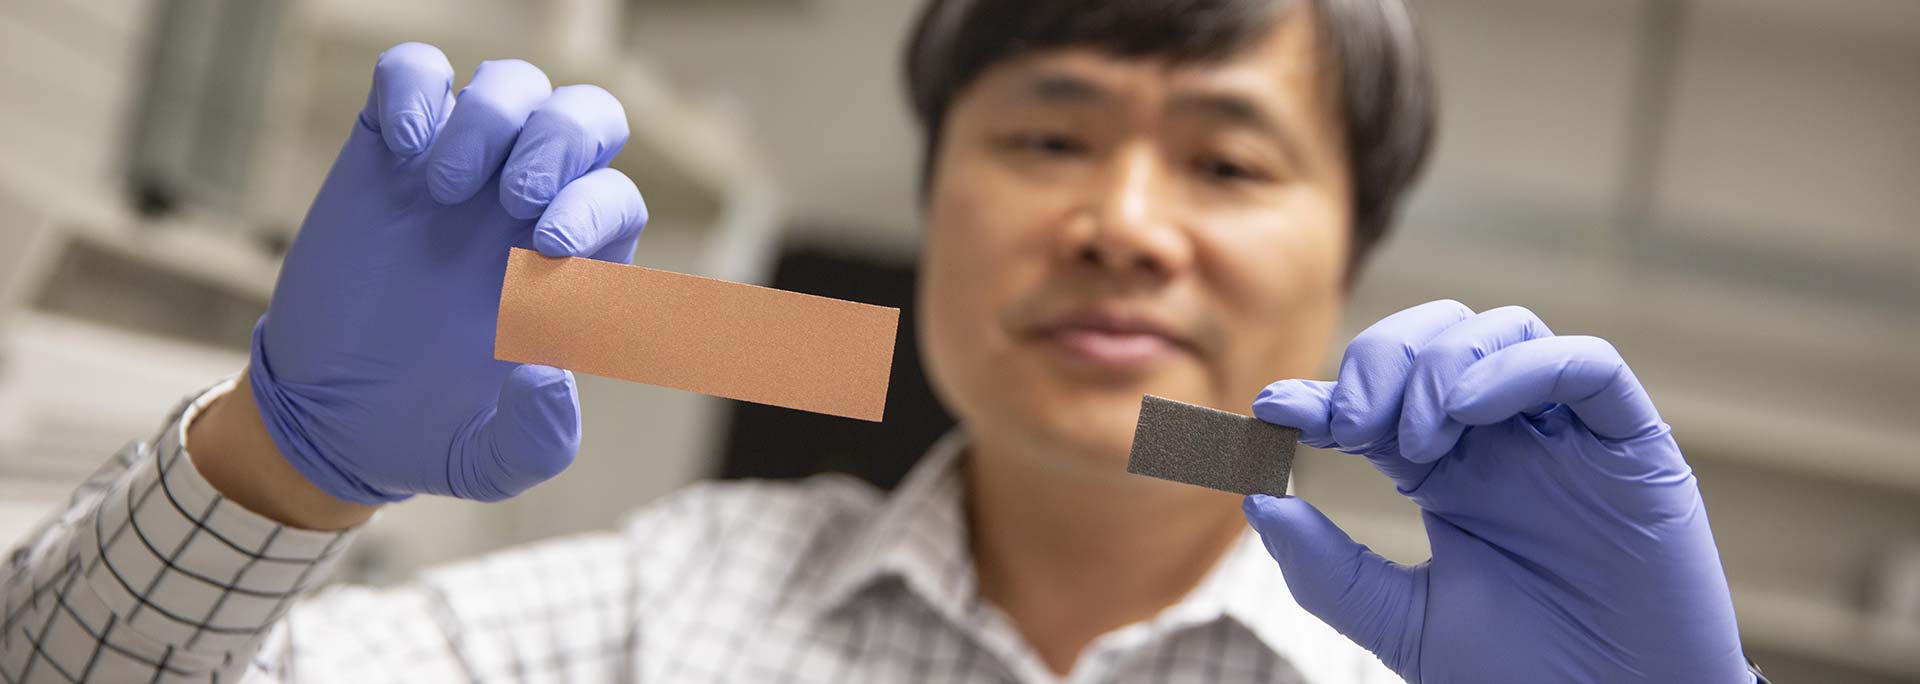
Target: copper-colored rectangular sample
700	334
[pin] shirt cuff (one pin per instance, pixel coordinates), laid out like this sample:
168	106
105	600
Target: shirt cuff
179	563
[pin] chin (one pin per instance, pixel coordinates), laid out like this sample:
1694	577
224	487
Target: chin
1091	423
1098	430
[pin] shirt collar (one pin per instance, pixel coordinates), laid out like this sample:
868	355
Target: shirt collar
1245	586
920	537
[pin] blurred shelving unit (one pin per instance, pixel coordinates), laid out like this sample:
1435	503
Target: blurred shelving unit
77	378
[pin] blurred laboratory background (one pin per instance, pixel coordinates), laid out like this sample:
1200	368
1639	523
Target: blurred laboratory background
1726	189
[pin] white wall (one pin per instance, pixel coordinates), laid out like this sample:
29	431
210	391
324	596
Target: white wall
821	82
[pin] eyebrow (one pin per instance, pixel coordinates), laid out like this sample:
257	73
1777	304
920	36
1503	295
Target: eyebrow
1059	87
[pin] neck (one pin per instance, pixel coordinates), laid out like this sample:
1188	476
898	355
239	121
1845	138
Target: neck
1073	550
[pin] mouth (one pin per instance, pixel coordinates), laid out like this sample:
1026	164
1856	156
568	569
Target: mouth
1112	342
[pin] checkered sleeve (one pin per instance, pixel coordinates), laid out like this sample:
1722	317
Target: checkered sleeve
150	575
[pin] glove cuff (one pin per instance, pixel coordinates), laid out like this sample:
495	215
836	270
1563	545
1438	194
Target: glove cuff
280	411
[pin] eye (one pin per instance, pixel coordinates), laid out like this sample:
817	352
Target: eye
1228	171
1050	144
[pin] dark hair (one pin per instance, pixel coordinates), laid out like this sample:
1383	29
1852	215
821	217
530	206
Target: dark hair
1386	91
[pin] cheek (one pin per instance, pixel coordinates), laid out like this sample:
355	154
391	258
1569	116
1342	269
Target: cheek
977	258
1280	276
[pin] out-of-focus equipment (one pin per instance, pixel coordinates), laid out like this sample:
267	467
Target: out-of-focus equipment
203	91
1896	595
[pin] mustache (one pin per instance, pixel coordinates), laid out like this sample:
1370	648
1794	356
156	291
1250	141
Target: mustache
1194	324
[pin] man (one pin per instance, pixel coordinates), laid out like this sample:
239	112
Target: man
1164	196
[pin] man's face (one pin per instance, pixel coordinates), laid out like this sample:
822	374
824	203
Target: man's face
1102	228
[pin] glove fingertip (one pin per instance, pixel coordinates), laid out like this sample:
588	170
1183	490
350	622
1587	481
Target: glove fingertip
521	202
535	432
1428	445
1300	404
596	216
526	187
1467	404
1299	537
1264	517
1257	508
1466	401
545	389
1274	518
410	134
551	241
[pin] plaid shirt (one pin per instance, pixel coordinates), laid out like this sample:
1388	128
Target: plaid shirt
150	575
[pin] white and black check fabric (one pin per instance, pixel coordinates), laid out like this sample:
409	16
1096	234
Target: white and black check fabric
151	576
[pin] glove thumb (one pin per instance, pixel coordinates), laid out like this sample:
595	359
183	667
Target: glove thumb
1377	603
527	438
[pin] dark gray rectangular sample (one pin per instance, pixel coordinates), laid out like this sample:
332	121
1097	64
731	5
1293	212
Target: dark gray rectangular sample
1211	448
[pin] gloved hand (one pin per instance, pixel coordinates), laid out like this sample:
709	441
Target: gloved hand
373	368
1569	539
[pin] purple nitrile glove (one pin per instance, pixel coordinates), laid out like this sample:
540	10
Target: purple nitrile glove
373	367
1570	543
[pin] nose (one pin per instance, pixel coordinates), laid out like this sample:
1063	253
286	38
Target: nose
1122	227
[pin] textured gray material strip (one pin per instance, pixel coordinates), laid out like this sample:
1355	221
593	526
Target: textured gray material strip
1211	448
